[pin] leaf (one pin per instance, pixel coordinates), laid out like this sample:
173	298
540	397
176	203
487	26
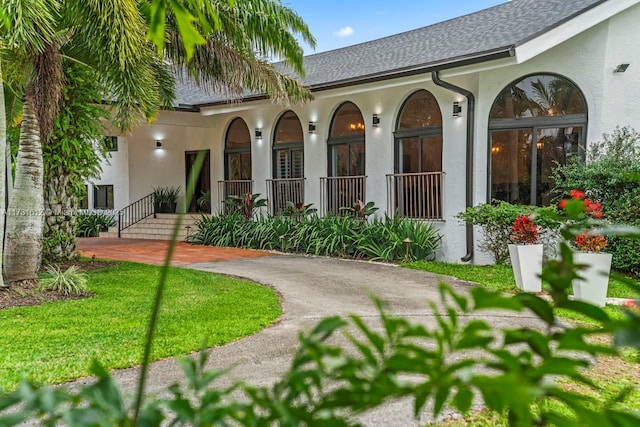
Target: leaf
539	306
188	32
463	399
589	310
487	299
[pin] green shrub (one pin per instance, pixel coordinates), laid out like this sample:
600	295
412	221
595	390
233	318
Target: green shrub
496	221
91	223
69	282
332	235
611	176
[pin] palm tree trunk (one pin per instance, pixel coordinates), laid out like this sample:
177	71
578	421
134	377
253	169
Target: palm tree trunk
61	207
3	170
25	218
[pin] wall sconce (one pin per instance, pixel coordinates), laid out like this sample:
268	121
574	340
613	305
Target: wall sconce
158	144
312	127
621	68
376	121
258	133
457	109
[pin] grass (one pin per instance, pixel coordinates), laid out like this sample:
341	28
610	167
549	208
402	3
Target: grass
500	277
56	342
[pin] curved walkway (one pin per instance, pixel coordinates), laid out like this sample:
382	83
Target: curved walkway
313	288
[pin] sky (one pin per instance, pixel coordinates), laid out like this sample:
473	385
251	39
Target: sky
339	23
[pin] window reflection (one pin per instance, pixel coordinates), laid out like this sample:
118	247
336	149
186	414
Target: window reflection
238	151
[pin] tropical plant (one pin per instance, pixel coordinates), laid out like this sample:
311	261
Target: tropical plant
203	202
298	210
359	209
245	205
92	223
524	231
165	196
69	282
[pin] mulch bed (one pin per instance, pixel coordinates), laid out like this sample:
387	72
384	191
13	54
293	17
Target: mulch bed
25	293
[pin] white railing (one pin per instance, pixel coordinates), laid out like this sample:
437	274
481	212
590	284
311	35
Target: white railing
341	191
230	188
281	191
415	195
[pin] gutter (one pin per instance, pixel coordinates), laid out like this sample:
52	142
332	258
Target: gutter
471	107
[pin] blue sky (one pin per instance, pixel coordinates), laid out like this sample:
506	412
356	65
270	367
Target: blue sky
339	23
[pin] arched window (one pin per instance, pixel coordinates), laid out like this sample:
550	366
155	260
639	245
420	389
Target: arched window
418	158
535	123
346	142
237	151
288	147
287	184
418	136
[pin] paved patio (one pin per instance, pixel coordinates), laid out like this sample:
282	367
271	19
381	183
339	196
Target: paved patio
154	251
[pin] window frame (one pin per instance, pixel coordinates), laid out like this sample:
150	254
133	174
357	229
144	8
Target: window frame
236	150
288	147
347	140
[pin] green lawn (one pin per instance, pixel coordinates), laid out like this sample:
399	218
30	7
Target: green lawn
56	342
499	277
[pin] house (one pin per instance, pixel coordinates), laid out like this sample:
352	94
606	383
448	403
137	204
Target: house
423	123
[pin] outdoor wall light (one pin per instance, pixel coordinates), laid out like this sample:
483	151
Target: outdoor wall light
312	127
158	144
457	109
258	133
621	68
376	121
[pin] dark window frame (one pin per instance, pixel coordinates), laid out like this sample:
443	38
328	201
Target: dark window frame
110	143
288	147
96	198
236	150
348	141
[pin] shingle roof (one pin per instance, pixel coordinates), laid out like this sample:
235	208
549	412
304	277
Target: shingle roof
474	37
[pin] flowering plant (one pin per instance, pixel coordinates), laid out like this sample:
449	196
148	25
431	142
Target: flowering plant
579	206
524	231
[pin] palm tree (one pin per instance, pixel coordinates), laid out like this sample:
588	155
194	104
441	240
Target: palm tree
109	35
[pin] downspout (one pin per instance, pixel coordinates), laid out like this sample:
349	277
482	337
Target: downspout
471	107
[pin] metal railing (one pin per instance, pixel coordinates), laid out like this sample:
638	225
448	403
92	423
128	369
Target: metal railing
239	187
341	191
415	195
283	190
136	212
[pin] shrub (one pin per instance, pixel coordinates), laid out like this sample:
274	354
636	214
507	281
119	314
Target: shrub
390	239
69	282
496	222
91	223
611	175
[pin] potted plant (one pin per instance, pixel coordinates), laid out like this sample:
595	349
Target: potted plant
595	266
526	254
165	199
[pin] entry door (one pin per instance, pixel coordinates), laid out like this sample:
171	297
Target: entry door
201	197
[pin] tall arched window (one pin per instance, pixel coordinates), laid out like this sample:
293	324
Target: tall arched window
418	157
287	184
535	123
346	142
345	184
288	147
237	151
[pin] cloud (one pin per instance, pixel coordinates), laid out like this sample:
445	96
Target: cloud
344	32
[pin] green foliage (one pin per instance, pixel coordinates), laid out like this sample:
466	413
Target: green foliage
53	239
69	282
360	210
165	195
496	222
246	205
611	176
298	210
341	236
203	202
92	223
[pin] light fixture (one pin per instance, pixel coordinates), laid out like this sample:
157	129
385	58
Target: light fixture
158	144
258	133
312	127
621	68
376	121
457	109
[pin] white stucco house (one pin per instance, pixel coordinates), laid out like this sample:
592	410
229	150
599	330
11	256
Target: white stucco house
422	123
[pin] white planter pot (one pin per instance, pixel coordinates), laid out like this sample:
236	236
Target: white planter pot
592	288
526	262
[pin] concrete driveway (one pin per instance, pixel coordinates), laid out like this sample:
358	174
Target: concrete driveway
313	288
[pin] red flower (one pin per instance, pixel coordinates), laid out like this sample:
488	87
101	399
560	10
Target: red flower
591	242
524	231
577	194
562	204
